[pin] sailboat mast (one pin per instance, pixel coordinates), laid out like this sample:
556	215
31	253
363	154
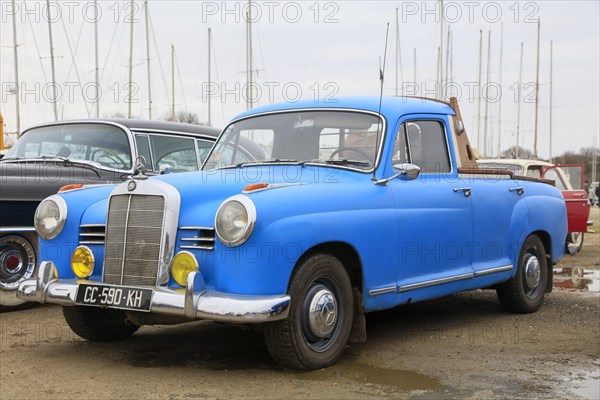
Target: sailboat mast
479	88
130	60
537	89
519	100
209	77
551	102
441	57
249	67
54	105
500	83
148	61
172	83
415	64
445	81
16	55
96	69
487	88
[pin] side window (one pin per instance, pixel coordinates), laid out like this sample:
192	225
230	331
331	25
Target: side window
552	175
400	149
427	148
203	148
177	153
143	148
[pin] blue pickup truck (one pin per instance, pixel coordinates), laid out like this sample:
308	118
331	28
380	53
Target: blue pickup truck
354	207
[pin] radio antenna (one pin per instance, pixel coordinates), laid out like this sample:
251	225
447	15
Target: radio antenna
381	79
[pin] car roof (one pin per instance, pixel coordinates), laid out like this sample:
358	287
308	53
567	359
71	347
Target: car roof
391	106
143	125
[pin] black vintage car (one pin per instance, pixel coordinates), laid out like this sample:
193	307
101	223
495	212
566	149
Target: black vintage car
50	156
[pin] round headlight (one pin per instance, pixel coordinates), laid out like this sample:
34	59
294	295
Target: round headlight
183	263
235	220
50	217
82	262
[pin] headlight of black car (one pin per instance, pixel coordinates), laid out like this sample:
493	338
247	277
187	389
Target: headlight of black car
235	220
50	217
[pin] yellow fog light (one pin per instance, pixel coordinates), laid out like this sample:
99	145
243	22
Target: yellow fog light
82	262
183	263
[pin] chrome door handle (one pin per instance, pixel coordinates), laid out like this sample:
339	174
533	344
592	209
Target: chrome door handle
519	190
466	191
579	195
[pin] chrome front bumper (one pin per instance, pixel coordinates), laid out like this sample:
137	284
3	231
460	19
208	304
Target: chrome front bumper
193	302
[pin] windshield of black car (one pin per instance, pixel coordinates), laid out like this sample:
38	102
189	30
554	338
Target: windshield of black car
106	145
341	138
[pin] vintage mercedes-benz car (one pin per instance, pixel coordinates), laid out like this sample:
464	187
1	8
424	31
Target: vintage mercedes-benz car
49	156
355	207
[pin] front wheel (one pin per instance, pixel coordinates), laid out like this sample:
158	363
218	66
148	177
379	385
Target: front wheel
318	327
524	292
99	324
577	239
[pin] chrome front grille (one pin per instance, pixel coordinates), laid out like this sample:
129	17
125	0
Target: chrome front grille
92	234
197	238
133	239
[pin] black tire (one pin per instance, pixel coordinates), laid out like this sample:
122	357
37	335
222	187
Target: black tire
524	292
577	239
99	324
294	342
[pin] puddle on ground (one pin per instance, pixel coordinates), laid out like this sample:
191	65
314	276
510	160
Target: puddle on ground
577	279
586	384
390	380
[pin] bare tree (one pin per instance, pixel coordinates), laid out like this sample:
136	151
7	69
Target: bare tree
512	152
185	117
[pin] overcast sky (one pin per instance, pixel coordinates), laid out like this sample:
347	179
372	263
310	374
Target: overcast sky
309	49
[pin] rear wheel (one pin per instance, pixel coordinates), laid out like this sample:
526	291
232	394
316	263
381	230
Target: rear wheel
524	292
317	330
577	239
99	324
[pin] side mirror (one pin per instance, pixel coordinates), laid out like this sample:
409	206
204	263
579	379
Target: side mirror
407	170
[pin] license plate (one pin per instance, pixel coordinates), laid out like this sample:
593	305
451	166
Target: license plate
123	297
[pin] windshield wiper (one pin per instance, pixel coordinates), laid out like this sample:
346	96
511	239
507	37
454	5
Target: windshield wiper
88	165
261	162
343	161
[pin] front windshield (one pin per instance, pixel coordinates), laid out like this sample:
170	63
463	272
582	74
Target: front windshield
343	138
106	145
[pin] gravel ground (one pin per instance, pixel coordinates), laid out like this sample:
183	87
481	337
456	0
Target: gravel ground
462	346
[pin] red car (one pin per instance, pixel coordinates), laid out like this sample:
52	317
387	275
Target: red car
568	178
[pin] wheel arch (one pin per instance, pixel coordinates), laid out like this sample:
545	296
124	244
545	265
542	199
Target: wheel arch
344	252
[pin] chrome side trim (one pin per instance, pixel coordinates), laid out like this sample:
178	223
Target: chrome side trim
12	229
198	241
495	270
434	282
384	290
195	302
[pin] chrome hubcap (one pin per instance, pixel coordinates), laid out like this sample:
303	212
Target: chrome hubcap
532	272
322	313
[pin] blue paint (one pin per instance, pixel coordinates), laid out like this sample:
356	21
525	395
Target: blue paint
404	233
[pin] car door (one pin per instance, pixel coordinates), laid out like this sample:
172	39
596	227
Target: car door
494	200
433	212
568	178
